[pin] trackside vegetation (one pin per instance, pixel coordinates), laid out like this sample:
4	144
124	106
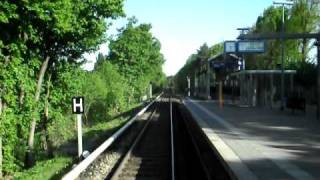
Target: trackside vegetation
41	54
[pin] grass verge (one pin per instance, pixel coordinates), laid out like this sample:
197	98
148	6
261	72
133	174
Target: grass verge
56	167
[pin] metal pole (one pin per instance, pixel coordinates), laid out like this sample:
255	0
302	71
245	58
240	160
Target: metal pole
150	91
208	80
220	94
318	77
79	122
282	61
188	79
172	143
243	63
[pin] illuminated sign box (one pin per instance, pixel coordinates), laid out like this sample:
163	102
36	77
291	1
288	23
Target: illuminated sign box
244	47
230	46
250	46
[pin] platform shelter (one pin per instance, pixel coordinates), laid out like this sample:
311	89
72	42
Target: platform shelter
261	87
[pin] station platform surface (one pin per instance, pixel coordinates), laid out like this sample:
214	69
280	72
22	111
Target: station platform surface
261	143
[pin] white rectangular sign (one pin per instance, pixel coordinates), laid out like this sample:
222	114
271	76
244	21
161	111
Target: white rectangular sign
230	47
251	46
77	105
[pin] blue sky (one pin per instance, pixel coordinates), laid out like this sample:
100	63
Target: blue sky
182	26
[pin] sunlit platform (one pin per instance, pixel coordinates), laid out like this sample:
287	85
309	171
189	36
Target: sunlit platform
261	143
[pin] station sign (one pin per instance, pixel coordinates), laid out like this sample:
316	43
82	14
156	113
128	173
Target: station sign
244	47
250	46
230	47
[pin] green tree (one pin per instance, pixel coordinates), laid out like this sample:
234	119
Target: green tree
188	70
36	36
304	18
66	34
269	21
216	49
136	54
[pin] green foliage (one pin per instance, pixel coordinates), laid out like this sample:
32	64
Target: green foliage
58	33
136	54
216	49
47	169
105	91
188	70
30	32
302	17
44	169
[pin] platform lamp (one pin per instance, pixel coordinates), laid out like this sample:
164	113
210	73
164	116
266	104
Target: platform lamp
283	4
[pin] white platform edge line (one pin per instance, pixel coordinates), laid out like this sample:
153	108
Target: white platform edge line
75	172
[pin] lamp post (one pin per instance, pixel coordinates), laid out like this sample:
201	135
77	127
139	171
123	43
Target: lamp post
283	4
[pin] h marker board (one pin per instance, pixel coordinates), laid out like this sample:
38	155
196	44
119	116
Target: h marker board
78	109
77	105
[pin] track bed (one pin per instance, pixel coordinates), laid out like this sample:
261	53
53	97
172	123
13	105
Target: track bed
150	156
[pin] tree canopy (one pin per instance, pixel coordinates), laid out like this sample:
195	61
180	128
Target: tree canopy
41	46
136	54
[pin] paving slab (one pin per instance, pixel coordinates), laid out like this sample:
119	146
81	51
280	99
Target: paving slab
261	143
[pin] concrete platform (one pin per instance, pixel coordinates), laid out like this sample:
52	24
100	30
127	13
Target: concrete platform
261	143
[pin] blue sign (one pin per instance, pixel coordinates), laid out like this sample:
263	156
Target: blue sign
250	46
230	47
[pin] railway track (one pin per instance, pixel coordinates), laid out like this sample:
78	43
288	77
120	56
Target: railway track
150	155
163	143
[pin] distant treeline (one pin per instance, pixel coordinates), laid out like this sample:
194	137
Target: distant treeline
303	16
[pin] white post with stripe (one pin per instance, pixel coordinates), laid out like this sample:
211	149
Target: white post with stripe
78	109
79	124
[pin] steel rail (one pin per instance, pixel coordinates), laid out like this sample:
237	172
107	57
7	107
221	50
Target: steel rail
75	172
172	144
127	156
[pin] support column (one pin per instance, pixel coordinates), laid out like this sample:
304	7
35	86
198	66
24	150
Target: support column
271	91
195	91
150	91
282	62
208	81
242	88
220	95
232	89
188	79
318	78
79	125
291	82
250	90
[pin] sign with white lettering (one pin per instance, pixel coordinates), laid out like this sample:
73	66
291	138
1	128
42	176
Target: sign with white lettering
251	46
77	105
